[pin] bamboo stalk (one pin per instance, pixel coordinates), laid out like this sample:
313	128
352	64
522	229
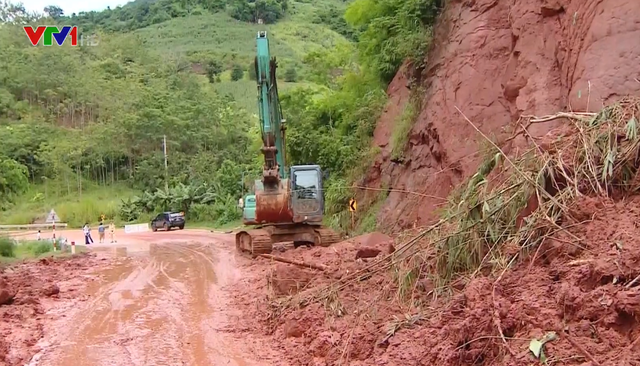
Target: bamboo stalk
319	267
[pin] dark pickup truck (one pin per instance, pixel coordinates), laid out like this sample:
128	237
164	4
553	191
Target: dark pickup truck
168	220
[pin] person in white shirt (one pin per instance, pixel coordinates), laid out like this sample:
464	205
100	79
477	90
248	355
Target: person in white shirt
87	234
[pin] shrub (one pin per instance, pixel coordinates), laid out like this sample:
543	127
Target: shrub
237	73
7	248
290	76
37	248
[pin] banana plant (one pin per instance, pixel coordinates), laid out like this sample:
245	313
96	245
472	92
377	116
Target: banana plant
180	196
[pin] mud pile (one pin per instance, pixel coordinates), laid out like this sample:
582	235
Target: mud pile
305	336
584	292
496	60
542	247
29	291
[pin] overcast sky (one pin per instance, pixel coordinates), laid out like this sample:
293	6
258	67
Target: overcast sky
71	6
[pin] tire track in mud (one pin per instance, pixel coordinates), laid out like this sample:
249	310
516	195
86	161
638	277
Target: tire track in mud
166	311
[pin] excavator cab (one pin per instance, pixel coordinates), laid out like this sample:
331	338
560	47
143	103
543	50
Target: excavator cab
307	198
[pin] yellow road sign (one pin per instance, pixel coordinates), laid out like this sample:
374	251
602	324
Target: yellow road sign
353	205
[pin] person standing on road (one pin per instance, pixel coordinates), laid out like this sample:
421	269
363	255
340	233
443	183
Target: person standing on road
101	233
87	234
112	232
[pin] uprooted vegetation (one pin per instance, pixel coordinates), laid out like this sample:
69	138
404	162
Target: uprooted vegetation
536	248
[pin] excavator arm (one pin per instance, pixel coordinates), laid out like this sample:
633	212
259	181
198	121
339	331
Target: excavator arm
272	124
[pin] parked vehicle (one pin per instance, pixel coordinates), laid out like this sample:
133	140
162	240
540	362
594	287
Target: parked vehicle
249	210
168	220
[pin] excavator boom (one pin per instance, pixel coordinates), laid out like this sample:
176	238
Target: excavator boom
272	124
289	202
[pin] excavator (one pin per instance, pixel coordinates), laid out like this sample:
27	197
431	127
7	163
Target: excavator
287	204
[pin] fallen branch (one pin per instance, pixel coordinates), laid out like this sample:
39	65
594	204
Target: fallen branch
630	284
569	115
319	267
581	349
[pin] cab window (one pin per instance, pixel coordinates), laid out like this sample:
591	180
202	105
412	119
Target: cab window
306	184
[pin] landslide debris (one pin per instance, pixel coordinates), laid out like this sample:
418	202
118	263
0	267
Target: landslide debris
30	294
542	246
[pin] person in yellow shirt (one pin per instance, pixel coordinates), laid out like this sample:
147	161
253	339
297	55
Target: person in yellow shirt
112	232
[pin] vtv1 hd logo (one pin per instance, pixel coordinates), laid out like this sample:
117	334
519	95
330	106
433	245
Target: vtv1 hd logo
48	33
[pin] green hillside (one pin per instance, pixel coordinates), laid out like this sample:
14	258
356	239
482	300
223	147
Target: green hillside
82	127
208	32
218	36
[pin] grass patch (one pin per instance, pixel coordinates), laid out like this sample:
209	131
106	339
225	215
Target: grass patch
404	123
303	38
218	36
12	250
32	249
369	221
74	209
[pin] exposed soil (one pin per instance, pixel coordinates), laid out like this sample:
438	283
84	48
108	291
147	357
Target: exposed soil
496	60
319	333
201	304
34	293
584	292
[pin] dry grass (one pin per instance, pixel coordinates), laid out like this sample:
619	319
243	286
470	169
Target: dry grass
484	231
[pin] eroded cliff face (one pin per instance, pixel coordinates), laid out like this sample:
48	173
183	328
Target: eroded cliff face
496	60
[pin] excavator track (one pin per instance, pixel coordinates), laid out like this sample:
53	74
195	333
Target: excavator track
326	237
254	242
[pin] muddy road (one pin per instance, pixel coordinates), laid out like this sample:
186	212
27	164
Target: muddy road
169	305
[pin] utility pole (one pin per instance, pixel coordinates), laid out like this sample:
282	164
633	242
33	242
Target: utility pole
242	183
166	166
241	205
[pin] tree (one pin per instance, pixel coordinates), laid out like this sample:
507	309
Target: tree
54	11
291	76
13	180
16	14
68	129
392	33
269	11
213	69
237	73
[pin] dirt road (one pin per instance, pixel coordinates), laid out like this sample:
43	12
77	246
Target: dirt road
167	306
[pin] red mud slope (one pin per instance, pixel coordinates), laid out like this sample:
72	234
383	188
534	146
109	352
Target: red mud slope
496	60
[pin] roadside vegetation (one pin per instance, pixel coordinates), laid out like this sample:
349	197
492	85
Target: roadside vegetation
12	250
84	126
